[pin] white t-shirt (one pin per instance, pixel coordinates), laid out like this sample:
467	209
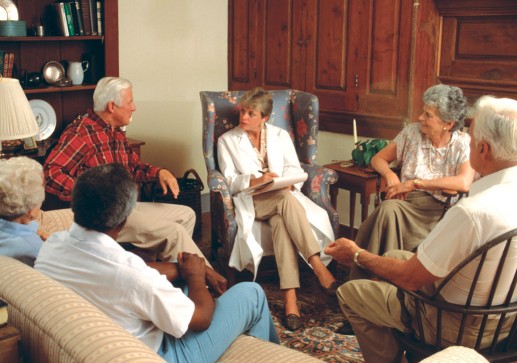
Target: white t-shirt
488	212
117	282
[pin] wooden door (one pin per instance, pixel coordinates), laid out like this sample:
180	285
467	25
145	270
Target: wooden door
332	43
244	20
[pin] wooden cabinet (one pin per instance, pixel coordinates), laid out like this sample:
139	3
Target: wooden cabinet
32	53
479	46
354	55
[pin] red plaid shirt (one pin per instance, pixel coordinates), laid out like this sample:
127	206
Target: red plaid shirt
85	143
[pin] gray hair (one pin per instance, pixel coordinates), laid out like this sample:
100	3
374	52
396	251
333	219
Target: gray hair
109	89
21	186
450	103
103	197
258	99
496	124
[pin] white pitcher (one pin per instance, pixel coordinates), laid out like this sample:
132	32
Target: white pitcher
75	71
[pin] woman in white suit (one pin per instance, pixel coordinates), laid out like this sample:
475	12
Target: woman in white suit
255	152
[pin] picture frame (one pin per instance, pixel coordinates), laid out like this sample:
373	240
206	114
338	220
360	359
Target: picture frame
29	143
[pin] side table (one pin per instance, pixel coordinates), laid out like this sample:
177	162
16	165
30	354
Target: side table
364	181
9	344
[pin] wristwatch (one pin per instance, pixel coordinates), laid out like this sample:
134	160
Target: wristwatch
356	257
418	184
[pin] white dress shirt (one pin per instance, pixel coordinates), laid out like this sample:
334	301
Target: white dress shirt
117	282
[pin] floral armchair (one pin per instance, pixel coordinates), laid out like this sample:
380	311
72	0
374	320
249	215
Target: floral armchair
296	112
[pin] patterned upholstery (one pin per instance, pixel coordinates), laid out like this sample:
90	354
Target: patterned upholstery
295	111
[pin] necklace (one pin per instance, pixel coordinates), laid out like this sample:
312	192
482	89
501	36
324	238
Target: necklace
436	158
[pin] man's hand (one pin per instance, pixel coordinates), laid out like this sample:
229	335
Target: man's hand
191	266
217	283
167	180
342	250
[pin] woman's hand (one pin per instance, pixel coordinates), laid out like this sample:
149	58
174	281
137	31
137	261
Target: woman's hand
400	190
263	179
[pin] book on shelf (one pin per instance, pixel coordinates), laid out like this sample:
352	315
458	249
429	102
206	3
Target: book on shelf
93	16
61	15
85	12
7	64
2	53
276	183
69	19
99	18
10	65
77	16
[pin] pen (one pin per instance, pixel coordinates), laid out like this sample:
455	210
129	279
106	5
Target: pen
261	172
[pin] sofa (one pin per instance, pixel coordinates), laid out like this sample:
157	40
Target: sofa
58	325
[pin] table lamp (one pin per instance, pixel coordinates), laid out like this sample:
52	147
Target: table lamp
17	120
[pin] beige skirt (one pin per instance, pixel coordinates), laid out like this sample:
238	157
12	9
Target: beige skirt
397	224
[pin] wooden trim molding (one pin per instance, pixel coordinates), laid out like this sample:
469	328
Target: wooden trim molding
476	7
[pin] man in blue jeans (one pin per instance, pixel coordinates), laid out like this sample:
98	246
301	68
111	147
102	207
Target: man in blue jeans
180	327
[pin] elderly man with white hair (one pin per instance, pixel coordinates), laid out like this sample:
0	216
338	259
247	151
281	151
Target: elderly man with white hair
95	139
372	307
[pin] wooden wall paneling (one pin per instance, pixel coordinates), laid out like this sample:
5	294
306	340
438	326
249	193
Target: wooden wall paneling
479	54
425	50
243	44
333	50
388	64
278	44
111	46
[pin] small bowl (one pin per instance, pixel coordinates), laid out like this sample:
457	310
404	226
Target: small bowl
52	72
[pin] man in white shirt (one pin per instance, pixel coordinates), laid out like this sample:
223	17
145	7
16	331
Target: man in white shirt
180	327
372	307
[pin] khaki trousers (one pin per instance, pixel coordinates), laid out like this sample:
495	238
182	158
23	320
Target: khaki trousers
291	233
164	229
374	309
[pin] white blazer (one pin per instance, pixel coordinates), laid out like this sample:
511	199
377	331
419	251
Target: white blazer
238	162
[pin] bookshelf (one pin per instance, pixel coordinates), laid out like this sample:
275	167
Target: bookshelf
32	53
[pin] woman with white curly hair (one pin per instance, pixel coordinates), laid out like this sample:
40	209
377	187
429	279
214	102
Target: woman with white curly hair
21	195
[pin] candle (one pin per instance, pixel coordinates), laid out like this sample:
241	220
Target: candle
355	134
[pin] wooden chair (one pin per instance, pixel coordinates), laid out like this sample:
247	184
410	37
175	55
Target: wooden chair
448	193
502	346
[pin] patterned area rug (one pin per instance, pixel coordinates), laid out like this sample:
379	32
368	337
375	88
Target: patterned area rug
322	318
322	315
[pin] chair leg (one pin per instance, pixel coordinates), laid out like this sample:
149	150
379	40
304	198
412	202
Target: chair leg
214	245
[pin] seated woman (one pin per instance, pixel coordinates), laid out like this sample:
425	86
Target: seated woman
21	195
255	152
433	155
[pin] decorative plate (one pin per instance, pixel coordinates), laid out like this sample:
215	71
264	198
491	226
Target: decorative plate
8	10
53	72
45	117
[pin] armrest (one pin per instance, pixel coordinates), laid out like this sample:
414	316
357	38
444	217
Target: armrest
317	189
217	183
222	210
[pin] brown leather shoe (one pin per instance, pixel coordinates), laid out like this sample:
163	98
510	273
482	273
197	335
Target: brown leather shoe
293	322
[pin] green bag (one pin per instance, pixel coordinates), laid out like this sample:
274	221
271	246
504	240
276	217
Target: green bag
363	153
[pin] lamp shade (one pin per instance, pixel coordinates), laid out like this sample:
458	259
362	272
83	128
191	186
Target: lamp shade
17	120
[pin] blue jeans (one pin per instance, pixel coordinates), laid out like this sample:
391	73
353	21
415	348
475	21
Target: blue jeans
242	309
